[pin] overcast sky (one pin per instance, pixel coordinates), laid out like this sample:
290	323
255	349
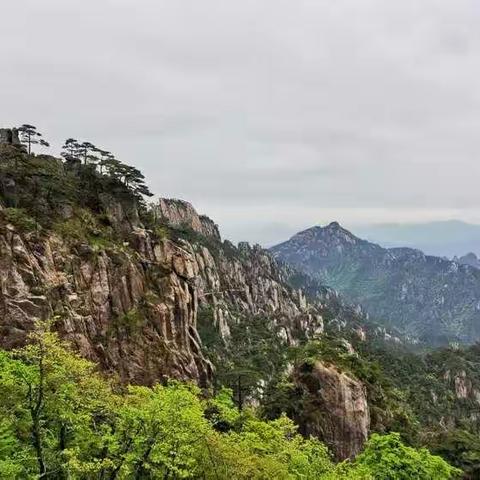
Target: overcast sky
268	115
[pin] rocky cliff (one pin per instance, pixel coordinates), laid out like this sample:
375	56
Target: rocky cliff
131	305
347	423
179	213
131	309
9	136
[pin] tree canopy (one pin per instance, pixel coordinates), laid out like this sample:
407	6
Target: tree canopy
29	136
44	186
60	419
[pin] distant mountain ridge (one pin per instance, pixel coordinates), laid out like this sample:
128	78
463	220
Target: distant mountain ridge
442	238
433	298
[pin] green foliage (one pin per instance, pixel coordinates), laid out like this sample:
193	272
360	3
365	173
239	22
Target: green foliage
51	400
387	458
459	447
251	360
20	219
45	187
85	227
38	184
161	232
59	419
132	320
222	411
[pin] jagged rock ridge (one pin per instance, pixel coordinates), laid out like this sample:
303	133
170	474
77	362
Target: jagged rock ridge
180	213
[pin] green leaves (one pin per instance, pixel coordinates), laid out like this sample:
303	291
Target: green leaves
60	419
387	458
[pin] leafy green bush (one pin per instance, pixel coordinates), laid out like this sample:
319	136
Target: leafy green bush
84	227
387	458
161	232
71	229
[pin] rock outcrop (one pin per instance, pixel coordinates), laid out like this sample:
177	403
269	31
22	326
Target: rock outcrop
132	313
133	307
460	382
179	213
9	136
335	408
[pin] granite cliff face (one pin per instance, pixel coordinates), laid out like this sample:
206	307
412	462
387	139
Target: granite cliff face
347	424
132	307
179	213
132	310
428	297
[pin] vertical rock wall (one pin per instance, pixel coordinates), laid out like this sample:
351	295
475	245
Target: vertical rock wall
335	409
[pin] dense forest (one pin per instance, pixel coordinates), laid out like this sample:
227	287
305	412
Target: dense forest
61	419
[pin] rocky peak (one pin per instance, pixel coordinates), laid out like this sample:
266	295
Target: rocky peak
179	213
333	233
334	229
334	226
314	241
420	294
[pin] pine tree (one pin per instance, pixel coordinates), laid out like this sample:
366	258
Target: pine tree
71	149
87	152
29	136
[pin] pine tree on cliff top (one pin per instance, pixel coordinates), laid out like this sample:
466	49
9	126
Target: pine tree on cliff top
30	136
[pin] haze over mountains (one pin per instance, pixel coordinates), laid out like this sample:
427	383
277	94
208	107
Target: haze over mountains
443	238
430	297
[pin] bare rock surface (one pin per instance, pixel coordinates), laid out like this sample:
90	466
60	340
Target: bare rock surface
336	410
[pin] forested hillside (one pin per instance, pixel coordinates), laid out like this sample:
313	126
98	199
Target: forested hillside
431	298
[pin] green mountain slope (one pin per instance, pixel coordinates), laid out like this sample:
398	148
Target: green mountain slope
435	299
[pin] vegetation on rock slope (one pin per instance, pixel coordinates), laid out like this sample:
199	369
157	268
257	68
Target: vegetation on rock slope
430	399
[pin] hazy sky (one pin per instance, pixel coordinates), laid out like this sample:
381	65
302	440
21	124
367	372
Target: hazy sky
268	115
